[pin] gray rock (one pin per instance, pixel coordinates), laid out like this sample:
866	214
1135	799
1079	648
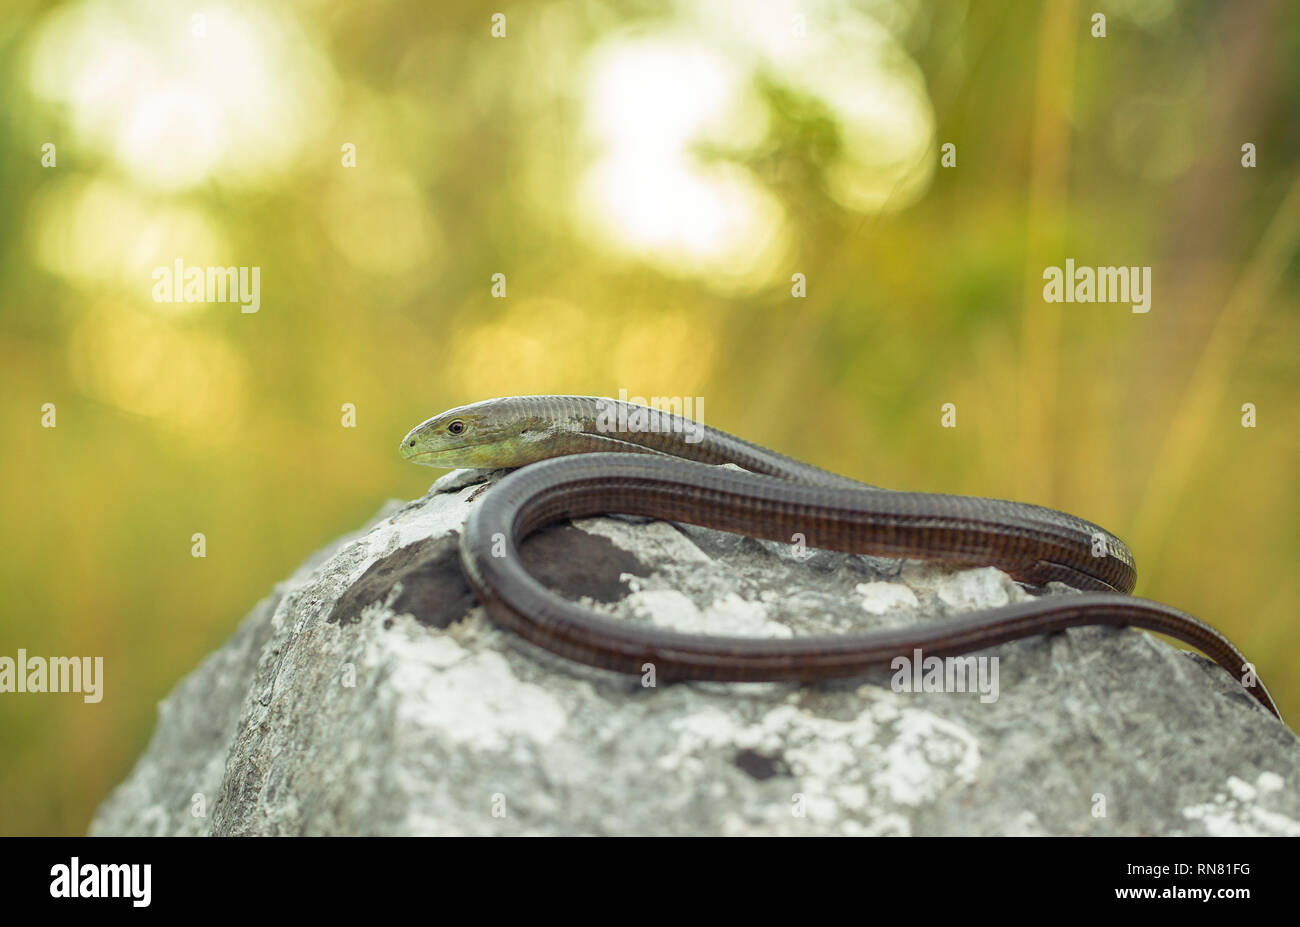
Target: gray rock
369	694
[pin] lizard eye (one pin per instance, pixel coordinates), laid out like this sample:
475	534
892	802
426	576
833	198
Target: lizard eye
456	427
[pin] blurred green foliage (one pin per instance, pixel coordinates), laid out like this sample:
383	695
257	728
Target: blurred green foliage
733	157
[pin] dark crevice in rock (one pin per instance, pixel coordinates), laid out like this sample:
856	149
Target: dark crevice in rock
574	563
433	589
760	765
567	560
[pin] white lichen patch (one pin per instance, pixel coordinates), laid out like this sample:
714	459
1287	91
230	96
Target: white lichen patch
982	588
1237	811
928	758
728	615
477	703
842	769
881	598
428	521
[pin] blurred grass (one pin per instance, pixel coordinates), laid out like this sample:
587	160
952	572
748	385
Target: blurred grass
376	291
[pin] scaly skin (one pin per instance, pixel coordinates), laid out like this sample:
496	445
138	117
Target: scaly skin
659	472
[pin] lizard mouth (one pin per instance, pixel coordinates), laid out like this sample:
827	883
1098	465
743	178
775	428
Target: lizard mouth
431	457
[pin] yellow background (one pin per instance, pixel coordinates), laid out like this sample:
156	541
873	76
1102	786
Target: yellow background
648	177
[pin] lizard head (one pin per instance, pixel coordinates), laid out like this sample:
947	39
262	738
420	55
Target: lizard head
490	434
